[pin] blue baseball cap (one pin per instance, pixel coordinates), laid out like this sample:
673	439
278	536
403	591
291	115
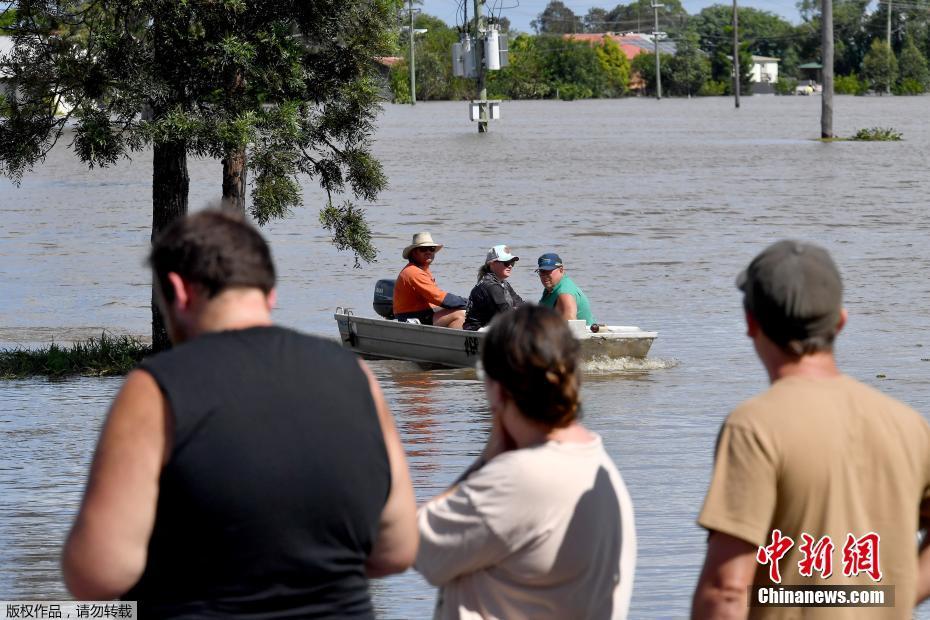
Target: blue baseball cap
548	262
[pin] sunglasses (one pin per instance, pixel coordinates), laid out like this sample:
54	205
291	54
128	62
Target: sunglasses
431	250
509	263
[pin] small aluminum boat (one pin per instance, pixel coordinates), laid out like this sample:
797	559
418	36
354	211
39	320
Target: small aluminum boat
382	338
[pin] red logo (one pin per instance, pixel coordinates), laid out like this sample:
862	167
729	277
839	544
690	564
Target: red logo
860	555
774	552
817	556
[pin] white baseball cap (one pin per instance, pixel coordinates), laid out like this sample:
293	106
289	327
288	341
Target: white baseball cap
500	253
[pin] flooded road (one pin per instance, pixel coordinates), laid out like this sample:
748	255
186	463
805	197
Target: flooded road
653	206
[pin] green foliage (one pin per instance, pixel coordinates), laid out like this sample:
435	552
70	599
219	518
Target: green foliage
557	18
615	66
880	67
399	82
595	20
913	73
909	86
638	16
546	65
645	66
525	77
786	86
764	33
434	80
877	134
714	88
291	82
851	36
7	17
849	85
721	68
96	357
689	68
572	68
567	91
350	230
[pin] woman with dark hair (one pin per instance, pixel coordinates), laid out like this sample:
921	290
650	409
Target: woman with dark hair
493	294
541	524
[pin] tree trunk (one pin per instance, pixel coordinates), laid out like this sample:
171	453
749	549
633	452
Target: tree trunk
170	184
234	180
826	39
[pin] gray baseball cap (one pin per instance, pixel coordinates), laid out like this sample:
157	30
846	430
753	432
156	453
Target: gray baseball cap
794	290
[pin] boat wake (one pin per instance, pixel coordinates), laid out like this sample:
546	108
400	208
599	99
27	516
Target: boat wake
615	365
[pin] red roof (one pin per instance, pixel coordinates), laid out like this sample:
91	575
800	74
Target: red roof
388	61
597	38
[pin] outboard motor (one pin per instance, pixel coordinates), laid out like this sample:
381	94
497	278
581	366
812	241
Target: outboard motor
384	298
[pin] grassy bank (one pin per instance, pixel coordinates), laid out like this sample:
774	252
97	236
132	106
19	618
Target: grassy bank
105	356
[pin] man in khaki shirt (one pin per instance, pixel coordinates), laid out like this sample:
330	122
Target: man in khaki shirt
819	481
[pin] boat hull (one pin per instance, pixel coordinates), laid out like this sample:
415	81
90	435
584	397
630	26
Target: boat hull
457	348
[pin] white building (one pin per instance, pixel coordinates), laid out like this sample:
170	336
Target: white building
764	70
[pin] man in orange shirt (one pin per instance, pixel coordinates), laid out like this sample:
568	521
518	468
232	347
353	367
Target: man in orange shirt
416	295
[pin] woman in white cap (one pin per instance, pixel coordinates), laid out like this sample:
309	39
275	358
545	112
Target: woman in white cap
493	294
416	295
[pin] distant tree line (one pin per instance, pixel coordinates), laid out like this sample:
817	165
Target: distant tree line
546	65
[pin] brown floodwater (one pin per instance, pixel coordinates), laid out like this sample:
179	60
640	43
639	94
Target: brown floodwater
654	206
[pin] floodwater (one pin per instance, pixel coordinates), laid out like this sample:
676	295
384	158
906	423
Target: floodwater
654	206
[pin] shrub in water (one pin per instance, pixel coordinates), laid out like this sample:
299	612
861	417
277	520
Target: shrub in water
786	86
909	86
849	85
878	134
713	88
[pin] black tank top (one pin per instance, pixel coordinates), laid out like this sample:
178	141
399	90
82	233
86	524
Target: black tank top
270	502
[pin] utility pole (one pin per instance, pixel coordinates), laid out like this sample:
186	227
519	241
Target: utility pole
480	66
826	42
413	62
736	75
655	40
888	38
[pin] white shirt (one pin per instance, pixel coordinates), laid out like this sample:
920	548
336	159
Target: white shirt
541	532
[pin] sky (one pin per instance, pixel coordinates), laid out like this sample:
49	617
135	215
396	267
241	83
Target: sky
522	12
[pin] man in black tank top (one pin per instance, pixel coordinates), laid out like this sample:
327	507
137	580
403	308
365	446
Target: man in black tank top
249	472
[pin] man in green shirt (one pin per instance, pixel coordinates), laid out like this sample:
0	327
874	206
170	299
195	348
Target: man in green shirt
561	293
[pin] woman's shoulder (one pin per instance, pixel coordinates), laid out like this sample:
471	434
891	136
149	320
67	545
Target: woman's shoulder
535	470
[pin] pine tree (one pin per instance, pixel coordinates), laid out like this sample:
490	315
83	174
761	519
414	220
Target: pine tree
284	88
912	69
880	67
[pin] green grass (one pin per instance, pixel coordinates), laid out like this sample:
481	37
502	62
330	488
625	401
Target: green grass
95	357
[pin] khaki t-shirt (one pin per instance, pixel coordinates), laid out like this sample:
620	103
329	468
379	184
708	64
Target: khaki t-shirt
826	457
543	533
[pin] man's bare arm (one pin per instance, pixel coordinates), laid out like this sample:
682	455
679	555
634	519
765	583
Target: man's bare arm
728	571
106	551
567	306
396	546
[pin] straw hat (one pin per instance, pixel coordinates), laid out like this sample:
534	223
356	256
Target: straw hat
421	240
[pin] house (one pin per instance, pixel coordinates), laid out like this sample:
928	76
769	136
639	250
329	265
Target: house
764	69
632	43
